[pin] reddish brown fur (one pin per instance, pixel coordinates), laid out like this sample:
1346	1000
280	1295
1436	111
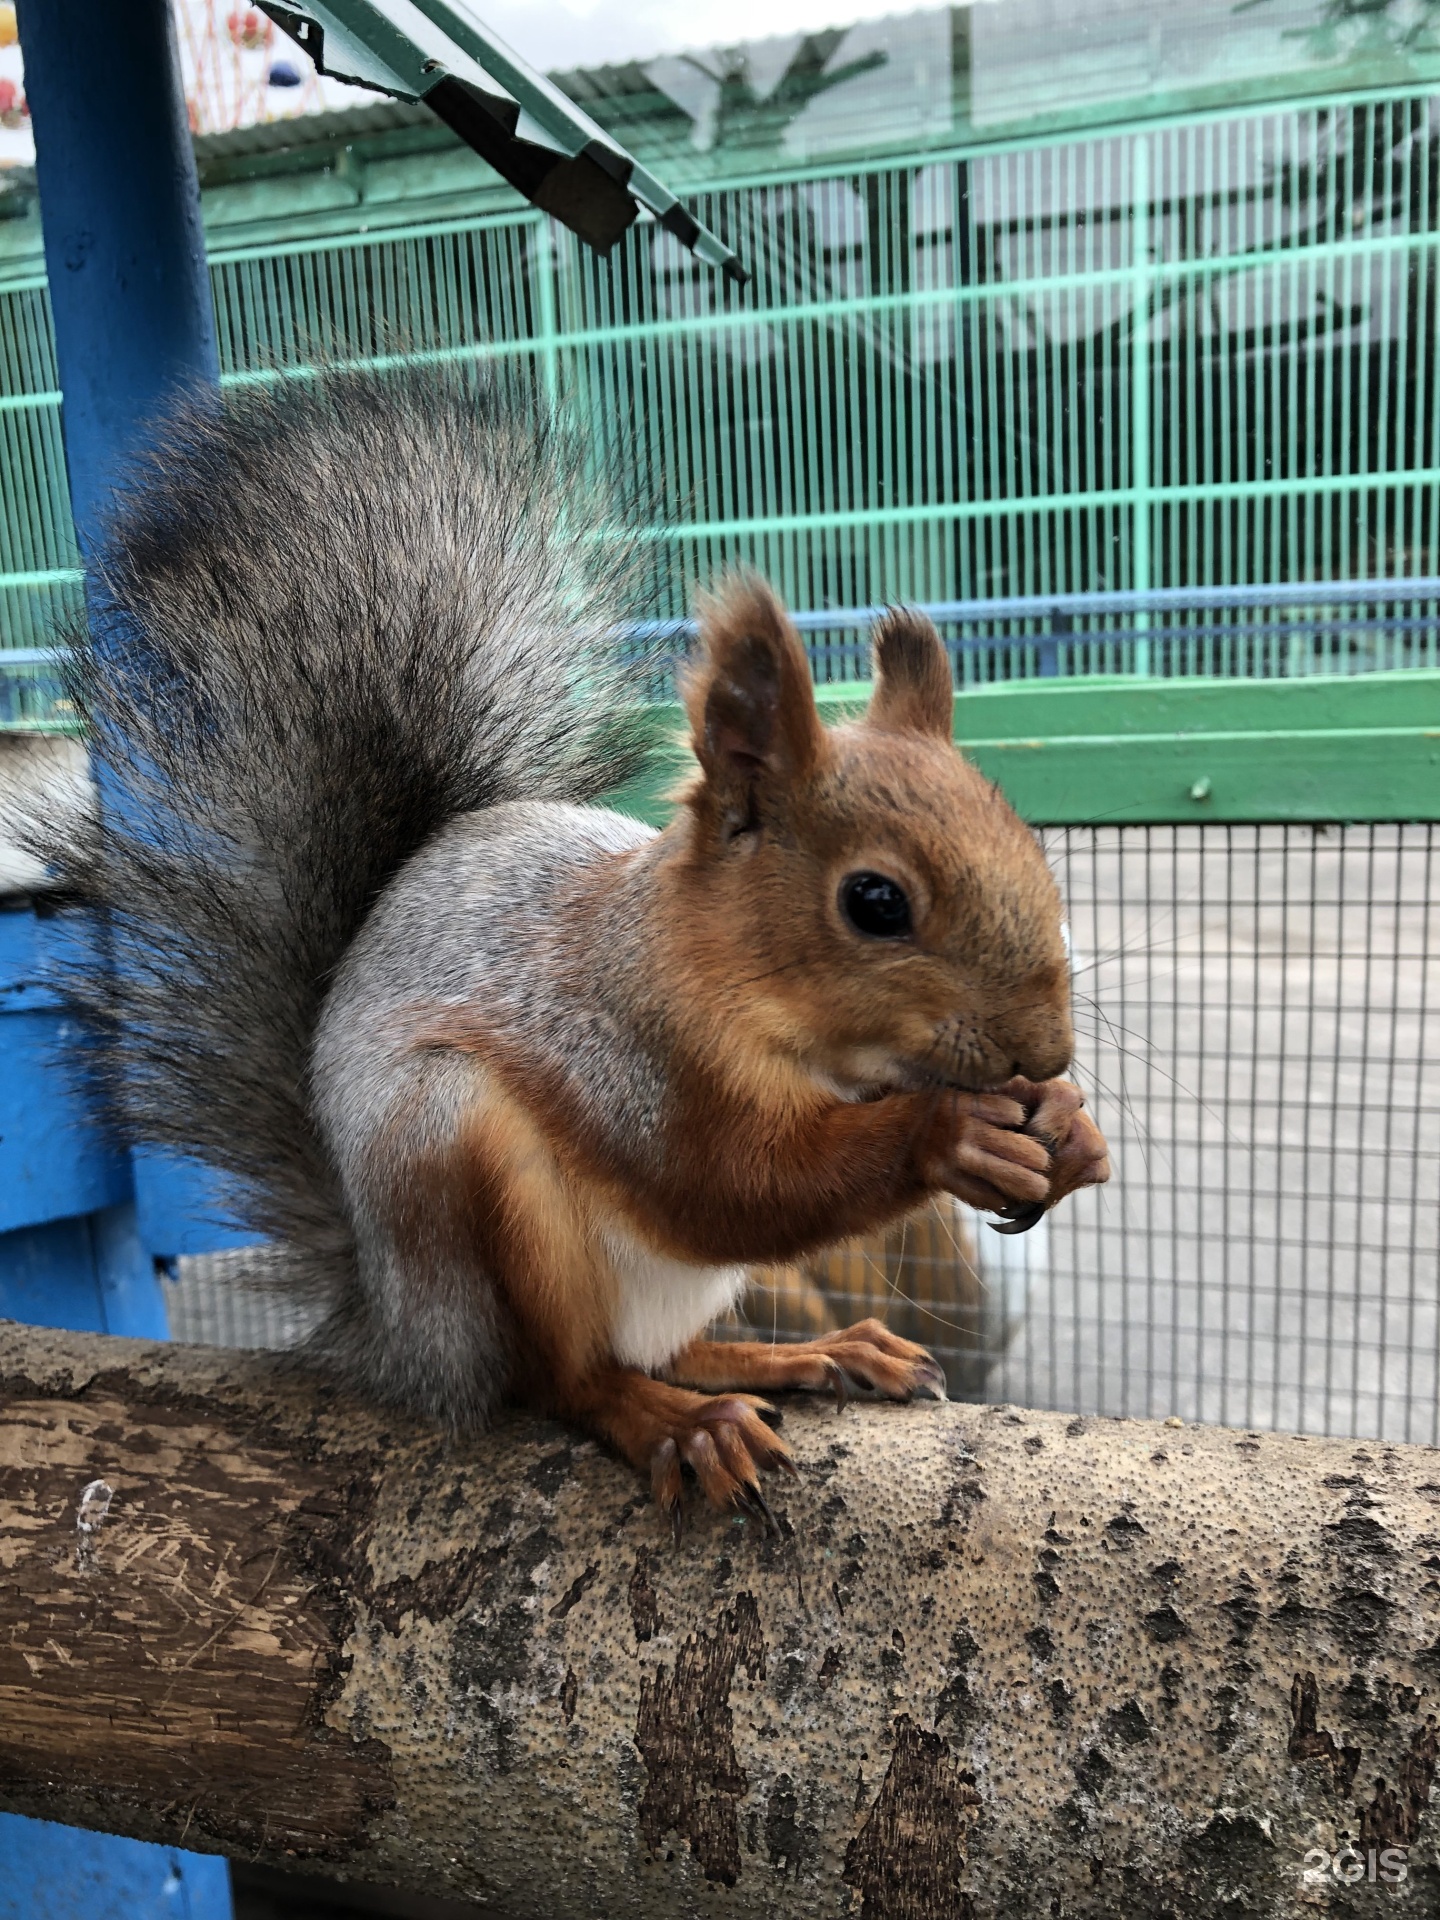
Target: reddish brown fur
913	692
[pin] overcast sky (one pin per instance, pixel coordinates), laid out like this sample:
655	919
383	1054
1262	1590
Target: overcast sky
572	33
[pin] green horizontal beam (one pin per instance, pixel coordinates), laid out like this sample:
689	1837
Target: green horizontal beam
1155	778
366	234
1190	493
1185	494
1125	704
1134	751
29	402
45	577
1128	752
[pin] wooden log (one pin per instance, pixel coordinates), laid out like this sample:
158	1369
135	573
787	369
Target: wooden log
995	1662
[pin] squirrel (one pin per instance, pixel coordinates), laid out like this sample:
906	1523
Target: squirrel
521	1086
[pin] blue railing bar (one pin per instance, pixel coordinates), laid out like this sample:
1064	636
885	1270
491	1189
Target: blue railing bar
1325	593
1042	606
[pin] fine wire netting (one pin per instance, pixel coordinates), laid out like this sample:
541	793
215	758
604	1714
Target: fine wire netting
1258	1008
1259	1023
228	1300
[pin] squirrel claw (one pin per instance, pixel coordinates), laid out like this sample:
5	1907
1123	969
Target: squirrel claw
1018	1219
722	1443
752	1500
843	1385
666	1480
768	1511
930	1381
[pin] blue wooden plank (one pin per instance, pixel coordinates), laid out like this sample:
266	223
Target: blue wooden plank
90	1273
131	1299
48	1276
182	1207
55	1160
58	1873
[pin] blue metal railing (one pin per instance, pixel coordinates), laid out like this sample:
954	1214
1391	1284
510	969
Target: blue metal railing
1289	630
1281	631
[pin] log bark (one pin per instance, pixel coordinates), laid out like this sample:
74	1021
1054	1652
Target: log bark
995	1662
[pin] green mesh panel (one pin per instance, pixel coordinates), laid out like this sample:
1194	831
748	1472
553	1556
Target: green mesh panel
1200	353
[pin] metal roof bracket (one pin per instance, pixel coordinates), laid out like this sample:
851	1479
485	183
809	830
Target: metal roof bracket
439	52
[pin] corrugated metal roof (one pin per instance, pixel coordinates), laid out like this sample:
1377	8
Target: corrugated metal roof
311	129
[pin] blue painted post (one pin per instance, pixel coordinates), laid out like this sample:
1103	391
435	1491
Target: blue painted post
124	245
130	299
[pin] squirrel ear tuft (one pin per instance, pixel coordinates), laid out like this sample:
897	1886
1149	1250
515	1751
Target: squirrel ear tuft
914	692
748	693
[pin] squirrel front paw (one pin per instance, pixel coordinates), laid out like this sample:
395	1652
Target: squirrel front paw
865	1357
1019	1150
1055	1116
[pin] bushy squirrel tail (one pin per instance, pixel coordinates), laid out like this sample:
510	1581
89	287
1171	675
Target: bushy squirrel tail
330	615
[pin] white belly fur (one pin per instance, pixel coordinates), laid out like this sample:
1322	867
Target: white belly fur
663	1304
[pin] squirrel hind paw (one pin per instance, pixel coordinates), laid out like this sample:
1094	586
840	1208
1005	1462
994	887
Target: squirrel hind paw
725	1447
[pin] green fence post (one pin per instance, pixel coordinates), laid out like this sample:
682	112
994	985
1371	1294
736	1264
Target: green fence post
1140	478
546	324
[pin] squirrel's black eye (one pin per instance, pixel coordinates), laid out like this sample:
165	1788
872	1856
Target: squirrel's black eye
876	905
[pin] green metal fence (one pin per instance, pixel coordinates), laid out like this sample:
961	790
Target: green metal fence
1190	354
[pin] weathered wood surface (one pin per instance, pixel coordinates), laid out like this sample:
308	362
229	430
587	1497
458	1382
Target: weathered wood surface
998	1663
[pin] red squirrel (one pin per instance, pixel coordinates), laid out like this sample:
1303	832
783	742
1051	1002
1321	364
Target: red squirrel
520	1085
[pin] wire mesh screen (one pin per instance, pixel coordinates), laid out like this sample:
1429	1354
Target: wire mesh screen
1260	1010
226	1300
